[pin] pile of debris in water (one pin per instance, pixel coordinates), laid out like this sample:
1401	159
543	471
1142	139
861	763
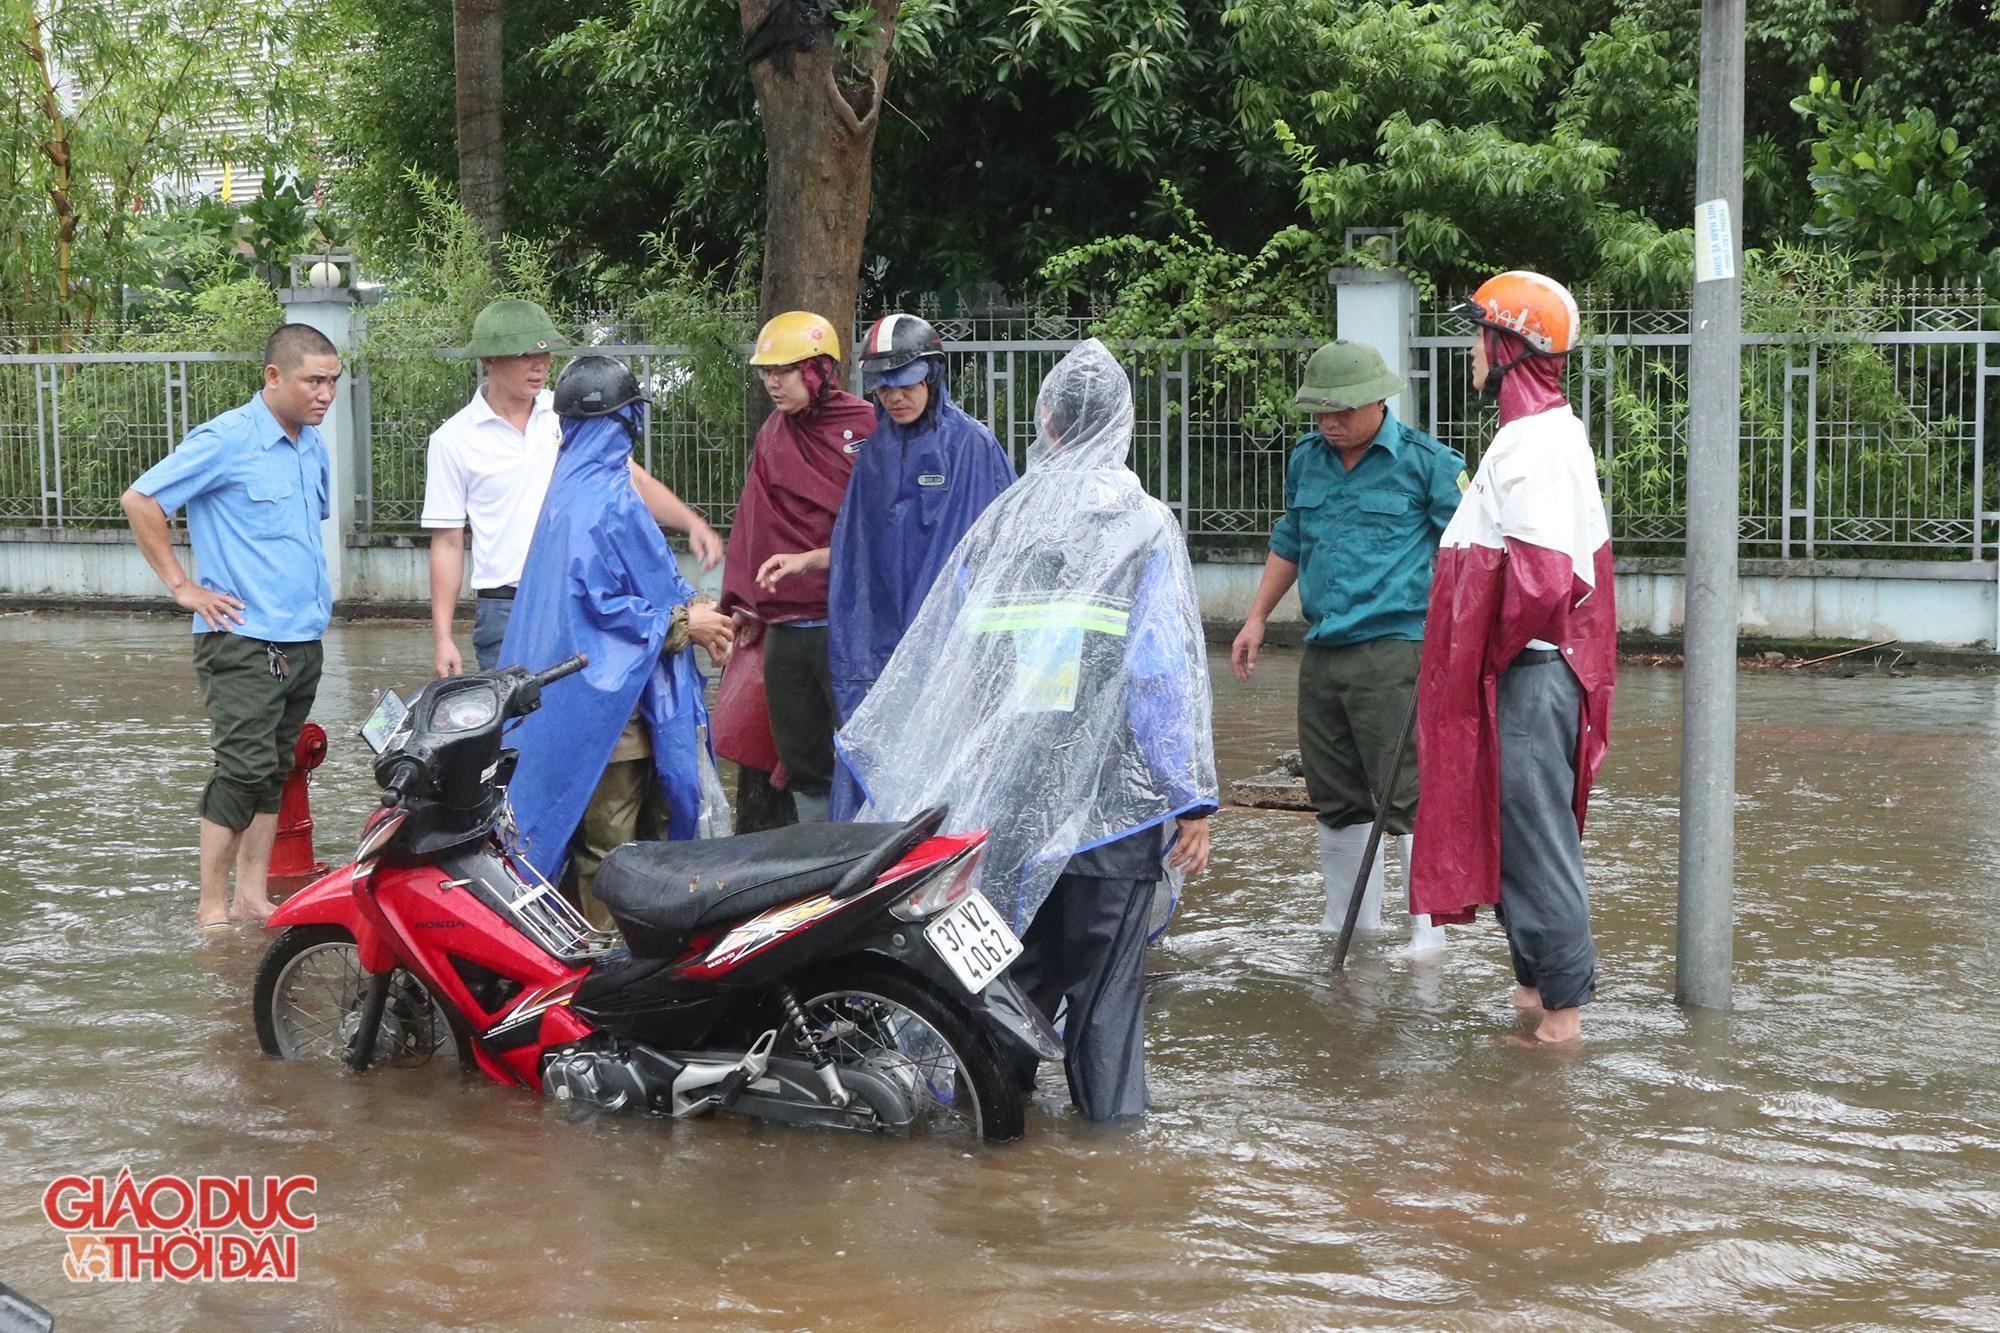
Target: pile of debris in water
1283	788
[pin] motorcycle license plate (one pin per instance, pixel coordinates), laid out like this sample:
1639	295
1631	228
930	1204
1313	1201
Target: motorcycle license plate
973	941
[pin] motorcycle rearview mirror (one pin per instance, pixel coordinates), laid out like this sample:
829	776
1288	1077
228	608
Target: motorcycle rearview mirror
383	723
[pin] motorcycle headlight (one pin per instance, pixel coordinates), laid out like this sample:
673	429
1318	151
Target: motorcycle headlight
945	886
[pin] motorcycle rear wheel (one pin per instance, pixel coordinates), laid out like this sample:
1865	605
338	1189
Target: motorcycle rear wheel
307	1000
901	1028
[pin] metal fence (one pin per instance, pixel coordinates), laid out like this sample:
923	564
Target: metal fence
76	429
1868	436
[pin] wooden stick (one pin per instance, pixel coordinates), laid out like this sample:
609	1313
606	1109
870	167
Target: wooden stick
1387	795
1794	666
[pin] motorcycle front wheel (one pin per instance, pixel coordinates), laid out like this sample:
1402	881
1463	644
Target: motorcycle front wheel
307	1000
902	1029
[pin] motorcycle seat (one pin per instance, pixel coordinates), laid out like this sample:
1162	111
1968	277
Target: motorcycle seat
660	894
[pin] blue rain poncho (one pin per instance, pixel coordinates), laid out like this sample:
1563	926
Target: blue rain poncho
600	579
913	493
1053	689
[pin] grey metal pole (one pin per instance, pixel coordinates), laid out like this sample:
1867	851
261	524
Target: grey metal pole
1705	930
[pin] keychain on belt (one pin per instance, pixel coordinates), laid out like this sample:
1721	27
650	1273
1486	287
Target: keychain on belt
280	667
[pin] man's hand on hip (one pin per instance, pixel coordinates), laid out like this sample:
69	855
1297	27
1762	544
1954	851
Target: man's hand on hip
219	609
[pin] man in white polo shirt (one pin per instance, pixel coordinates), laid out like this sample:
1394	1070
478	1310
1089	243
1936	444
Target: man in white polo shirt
490	466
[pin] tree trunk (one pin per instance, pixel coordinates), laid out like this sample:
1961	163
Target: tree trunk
56	147
476	27
820	109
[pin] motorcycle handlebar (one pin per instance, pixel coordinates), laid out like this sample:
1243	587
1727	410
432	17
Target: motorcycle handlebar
400	778
567	667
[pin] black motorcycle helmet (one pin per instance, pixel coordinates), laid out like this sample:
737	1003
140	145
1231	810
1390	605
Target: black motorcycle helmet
596	386
899	350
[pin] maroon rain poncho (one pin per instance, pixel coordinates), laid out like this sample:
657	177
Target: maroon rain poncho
1527	556
798	474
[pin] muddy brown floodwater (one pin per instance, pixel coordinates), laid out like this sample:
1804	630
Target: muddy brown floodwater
1366	1152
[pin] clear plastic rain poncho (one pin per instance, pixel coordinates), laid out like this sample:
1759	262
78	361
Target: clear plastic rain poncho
1053	688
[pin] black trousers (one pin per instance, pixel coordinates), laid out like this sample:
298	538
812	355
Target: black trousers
1087	945
1544	903
798	692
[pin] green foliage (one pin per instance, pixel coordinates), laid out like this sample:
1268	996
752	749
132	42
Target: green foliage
444	276
1493	132
224	314
393	110
1189	287
440	280
1897	449
667	96
712	314
279	226
1948	61
120	417
181	249
107	98
1895	192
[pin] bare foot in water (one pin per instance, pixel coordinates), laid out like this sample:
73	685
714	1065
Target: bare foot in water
1527	997
1560	1027
249	910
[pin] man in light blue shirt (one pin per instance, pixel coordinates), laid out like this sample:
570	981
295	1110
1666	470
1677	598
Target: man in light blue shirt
1366	499
254	483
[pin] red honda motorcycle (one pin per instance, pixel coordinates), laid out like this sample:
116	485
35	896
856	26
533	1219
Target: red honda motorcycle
843	975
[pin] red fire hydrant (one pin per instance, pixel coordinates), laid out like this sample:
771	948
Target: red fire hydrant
292	863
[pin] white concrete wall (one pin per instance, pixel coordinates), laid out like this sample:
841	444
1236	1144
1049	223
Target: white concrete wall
86	564
79	564
1226	591
1865	601
399	571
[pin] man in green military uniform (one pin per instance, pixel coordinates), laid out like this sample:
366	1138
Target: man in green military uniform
1366	499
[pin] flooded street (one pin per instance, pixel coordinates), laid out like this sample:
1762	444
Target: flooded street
1367	1152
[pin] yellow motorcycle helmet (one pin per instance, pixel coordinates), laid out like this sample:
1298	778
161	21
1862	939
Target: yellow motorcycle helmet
795	336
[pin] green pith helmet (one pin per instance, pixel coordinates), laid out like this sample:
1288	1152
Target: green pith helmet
1343	375
514	328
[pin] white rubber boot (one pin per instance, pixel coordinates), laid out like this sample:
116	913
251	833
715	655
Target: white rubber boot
812	809
1340	852
1425	938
